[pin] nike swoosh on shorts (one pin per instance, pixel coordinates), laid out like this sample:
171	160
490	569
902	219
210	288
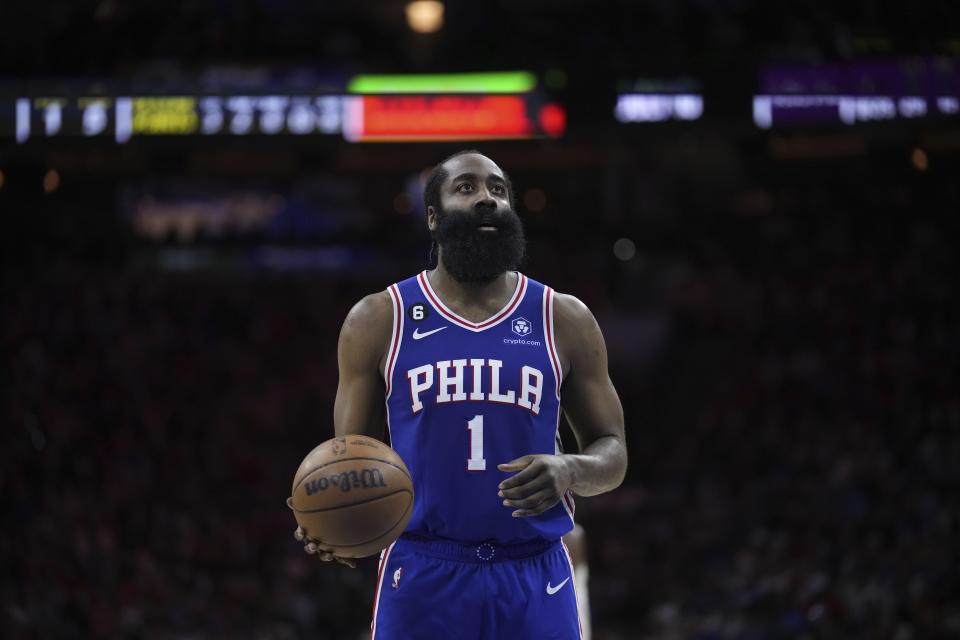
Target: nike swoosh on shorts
553	590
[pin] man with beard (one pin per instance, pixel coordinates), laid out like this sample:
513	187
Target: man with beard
473	358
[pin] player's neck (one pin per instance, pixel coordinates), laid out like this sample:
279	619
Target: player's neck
473	300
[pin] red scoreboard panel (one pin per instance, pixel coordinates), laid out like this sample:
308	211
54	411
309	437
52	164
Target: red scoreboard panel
401	118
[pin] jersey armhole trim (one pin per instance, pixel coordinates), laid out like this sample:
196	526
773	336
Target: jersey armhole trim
551	340
396	337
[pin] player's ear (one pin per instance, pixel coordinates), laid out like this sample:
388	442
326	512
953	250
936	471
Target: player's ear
431	218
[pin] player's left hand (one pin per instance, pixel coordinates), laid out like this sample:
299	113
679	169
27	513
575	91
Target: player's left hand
539	483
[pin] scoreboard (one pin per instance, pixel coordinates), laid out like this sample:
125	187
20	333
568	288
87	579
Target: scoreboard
465	106
858	92
458	108
123	117
814	109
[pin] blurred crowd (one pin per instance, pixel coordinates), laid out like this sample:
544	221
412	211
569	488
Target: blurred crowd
794	450
795	464
156	427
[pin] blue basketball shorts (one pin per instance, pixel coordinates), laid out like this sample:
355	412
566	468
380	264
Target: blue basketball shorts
438	589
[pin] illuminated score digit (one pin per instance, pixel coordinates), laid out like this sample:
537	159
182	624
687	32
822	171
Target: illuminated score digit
123	119
211	115
272	110
301	119
331	114
242	108
948	104
52	114
23	120
94	116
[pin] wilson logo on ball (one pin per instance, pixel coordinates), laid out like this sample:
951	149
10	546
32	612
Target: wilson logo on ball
368	478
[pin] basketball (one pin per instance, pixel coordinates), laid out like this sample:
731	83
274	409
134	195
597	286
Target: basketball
352	494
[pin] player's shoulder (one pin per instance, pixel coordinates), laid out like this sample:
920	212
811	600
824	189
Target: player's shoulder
371	317
578	335
569	310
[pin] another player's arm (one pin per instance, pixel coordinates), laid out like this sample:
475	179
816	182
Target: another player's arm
358	409
594	412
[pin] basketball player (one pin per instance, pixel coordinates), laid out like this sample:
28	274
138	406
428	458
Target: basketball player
473	359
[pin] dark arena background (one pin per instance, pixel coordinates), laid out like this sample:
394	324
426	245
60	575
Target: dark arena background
759	201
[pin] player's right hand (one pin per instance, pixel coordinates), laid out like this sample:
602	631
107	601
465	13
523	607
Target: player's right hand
313	547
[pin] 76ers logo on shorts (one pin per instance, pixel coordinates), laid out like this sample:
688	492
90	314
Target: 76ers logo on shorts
521	326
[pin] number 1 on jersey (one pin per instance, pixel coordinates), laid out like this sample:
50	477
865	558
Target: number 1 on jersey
476	462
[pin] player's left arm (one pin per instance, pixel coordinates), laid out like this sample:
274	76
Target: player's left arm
594	412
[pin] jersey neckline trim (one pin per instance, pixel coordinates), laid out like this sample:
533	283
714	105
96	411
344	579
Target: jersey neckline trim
460	321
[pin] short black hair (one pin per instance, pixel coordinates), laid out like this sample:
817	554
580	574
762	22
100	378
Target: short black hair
431	191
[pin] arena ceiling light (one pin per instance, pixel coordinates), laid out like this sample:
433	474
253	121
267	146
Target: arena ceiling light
425	16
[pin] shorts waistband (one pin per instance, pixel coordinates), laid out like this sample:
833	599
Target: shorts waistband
477	552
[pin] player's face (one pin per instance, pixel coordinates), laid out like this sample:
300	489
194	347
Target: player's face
479	234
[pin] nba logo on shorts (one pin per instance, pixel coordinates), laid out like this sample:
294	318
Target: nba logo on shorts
520	326
396	577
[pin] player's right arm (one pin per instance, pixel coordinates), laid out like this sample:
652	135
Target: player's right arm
361	354
359	408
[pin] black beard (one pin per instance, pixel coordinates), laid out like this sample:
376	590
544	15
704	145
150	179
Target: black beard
471	255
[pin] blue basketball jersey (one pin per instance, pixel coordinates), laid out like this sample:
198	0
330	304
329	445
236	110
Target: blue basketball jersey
463	397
